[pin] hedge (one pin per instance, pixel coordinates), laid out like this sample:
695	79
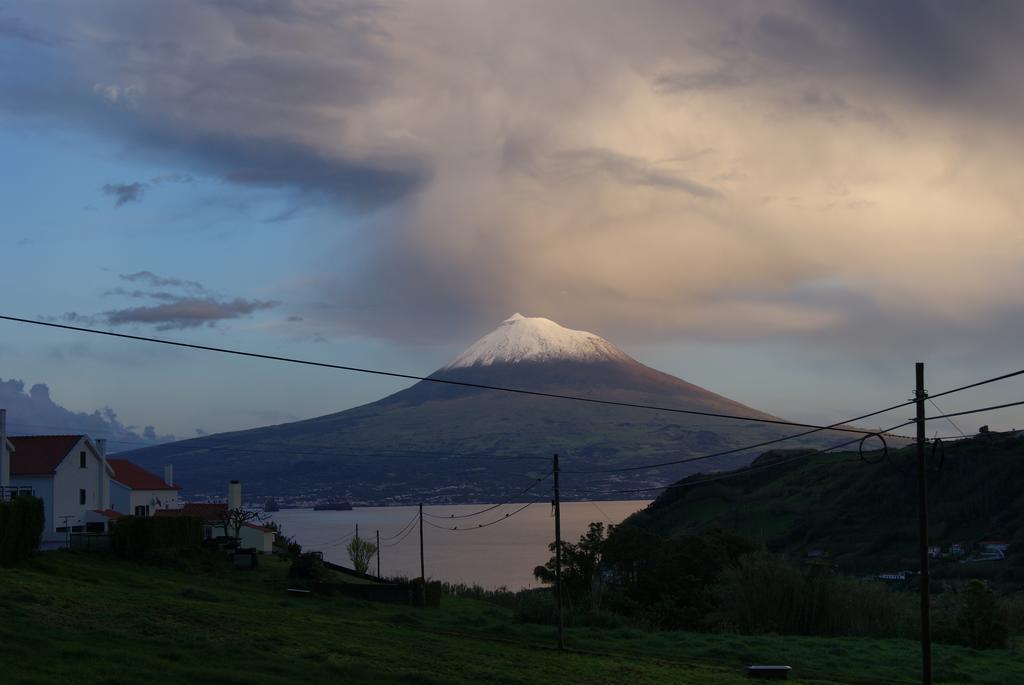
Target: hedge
137	536
21	528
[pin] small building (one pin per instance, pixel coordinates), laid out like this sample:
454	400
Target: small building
215	521
935	552
894	576
956	550
1000	547
257	537
71	475
137	492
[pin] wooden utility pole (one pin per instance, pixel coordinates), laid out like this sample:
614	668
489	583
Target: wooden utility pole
378	555
922	510
423	574
558	553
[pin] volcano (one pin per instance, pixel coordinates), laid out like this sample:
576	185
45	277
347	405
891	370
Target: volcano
444	442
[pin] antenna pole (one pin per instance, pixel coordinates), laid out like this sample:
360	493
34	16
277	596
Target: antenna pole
558	553
922	508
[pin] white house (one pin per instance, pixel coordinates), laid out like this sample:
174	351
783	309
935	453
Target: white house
214	515
137	492
71	475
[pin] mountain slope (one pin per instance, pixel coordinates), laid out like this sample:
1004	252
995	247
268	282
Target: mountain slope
863	515
375	452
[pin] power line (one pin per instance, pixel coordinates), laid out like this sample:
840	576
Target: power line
746	448
447	381
493	506
740	472
484	525
403	528
951	421
404	536
978	411
327	450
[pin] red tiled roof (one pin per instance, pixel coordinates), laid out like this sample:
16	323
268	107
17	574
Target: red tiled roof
136	477
262	528
109	513
207	512
40	454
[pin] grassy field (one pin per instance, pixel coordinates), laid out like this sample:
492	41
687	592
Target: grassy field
77	618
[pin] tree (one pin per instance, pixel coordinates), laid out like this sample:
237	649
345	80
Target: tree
232	521
361	552
581	563
982	622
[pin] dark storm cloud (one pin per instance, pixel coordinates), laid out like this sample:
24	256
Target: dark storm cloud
626	176
935	43
125	192
35	412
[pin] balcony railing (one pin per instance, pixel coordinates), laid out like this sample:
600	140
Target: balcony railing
11	491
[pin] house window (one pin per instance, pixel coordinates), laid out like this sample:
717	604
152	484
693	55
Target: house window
81	496
81	460
142	510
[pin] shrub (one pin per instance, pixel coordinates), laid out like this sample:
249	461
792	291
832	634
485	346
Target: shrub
308	566
21	528
138	536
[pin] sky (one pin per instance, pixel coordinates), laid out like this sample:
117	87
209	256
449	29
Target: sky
787	202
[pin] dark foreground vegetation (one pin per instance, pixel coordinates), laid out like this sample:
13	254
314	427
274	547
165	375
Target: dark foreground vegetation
718	581
93	618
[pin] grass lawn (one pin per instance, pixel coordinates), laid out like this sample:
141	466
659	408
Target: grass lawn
79	618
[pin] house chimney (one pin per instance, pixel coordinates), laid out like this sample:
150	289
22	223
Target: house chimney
234	495
101	447
169	474
5	458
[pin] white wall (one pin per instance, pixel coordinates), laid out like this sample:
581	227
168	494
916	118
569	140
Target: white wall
154	499
253	537
70	478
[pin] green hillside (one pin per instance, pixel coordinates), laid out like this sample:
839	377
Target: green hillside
95	620
864	515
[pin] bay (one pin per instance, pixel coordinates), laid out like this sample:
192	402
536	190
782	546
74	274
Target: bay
503	554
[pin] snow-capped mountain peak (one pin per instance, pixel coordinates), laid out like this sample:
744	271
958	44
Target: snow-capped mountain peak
535	339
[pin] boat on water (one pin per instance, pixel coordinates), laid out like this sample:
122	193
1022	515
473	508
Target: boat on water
333	506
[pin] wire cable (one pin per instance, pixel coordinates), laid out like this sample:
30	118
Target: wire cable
740	472
402	529
493	506
951	421
328	449
977	411
401	539
446	381
484	525
747	448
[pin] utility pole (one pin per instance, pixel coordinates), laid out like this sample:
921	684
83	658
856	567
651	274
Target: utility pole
357	533
922	509
423	574
558	552
378	555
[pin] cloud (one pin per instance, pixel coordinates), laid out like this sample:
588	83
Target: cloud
186	312
125	192
35	413
150	279
193	306
674	169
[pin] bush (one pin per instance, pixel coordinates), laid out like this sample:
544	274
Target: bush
21	528
308	566
139	536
